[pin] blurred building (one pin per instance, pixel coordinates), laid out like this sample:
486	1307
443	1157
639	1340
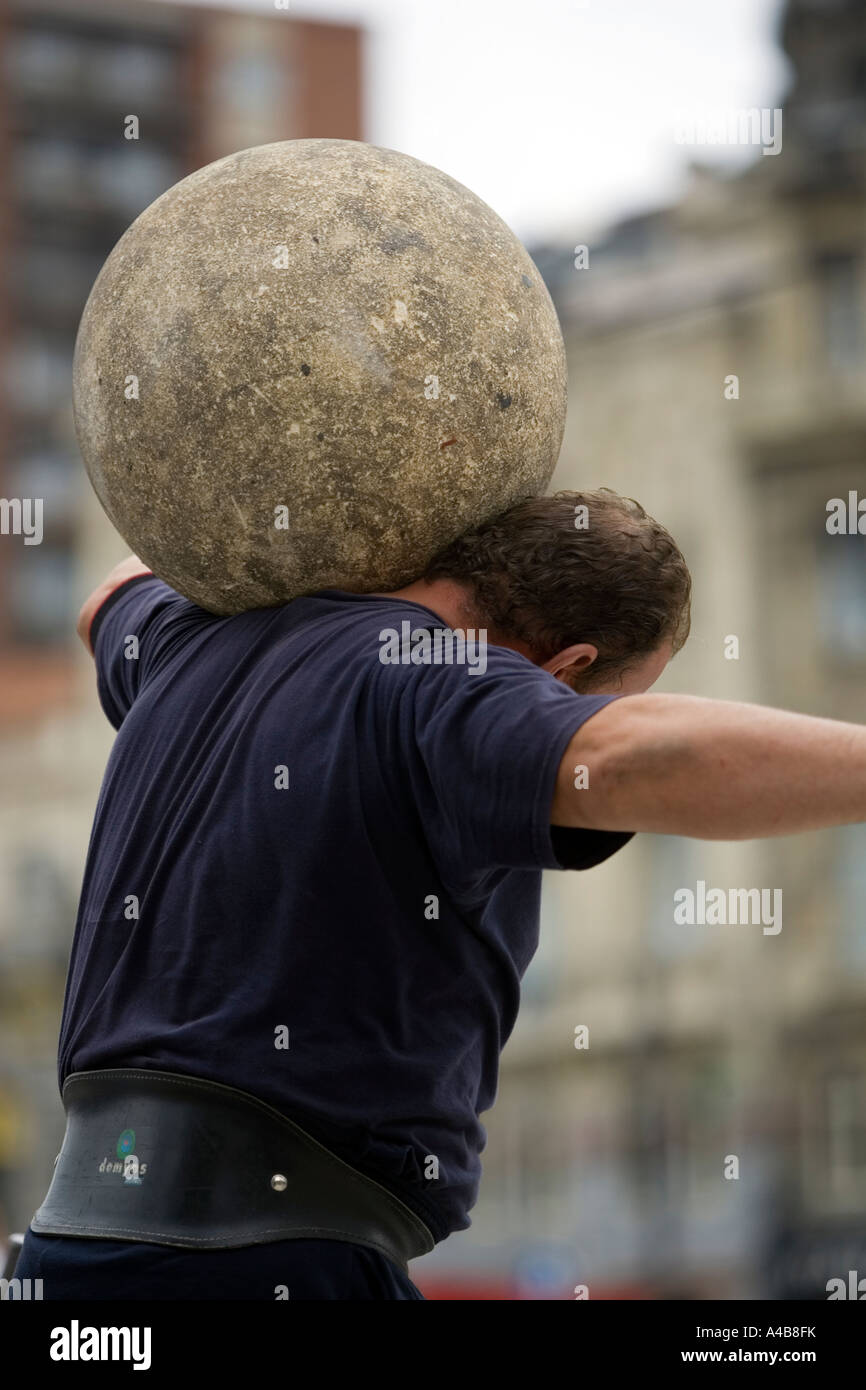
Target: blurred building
606	1165
201	84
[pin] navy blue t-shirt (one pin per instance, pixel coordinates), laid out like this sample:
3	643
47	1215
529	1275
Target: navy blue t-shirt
298	843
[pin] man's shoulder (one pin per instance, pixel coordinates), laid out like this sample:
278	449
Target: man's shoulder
406	639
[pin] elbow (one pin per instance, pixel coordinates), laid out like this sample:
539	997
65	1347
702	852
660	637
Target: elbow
632	760
598	772
127	569
85	618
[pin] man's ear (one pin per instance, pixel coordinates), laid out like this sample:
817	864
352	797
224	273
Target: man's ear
580	657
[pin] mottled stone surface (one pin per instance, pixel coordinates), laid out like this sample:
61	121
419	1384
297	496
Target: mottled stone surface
326	327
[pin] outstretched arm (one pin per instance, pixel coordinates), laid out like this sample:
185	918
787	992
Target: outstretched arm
711	769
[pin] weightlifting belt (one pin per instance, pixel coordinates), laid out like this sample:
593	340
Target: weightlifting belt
170	1159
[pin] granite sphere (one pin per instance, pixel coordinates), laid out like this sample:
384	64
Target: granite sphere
310	365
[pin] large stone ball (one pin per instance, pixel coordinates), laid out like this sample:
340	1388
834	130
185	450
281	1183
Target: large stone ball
310	365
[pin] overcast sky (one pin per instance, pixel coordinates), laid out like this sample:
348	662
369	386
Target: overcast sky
559	113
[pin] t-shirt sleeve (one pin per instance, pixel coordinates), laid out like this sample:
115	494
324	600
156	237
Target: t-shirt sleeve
129	634
491	744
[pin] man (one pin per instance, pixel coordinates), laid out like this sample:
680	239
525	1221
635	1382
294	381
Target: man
313	886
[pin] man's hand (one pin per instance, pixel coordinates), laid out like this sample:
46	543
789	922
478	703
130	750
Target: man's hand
127	569
711	769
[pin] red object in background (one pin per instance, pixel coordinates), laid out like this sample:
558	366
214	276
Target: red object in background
461	1290
488	1290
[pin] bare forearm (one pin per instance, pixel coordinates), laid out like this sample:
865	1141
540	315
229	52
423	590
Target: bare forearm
126	569
711	769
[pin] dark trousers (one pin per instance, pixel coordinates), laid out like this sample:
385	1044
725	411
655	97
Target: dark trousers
74	1268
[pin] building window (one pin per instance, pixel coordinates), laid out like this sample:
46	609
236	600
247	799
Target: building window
41	595
846	1135
674	863
851	877
835	1142
841	597
44	905
73	184
841	298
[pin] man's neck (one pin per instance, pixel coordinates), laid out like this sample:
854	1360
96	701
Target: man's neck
451	601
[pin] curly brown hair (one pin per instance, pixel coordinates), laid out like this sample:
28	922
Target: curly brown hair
575	567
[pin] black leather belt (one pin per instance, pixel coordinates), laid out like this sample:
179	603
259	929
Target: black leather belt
171	1159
